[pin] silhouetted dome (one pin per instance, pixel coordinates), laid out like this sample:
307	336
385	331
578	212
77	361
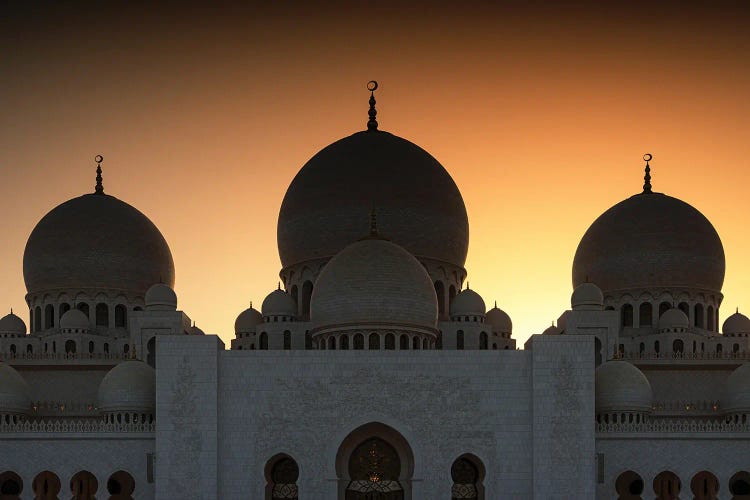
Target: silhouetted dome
499	320
194	330
12	324
96	241
74	320
620	386
587	297
673	319
552	330
14	391
247	320
736	396
328	203
128	387
736	324
160	297
467	303
650	240
279	303
374	281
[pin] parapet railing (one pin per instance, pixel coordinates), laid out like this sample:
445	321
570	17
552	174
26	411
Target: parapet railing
675	425
724	356
688	407
61	356
75	426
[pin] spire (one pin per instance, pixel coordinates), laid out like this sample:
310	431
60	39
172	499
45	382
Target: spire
278	285
373	223
647	177
251	304
99	187
495	304
372	123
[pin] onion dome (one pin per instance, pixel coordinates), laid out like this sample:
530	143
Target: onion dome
587	297
499	320
248	320
673	320
552	330
74	321
128	387
736	324
419	206
161	297
10	324
650	240
620	386
96	241
736	395
468	303
374	281
279	303
14	392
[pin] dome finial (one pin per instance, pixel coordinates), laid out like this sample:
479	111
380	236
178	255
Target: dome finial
99	187
373	222
647	177
372	123
278	285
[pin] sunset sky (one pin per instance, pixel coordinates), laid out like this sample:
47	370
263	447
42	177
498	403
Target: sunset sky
540	114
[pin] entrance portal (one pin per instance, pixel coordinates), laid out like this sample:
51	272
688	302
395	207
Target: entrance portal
374	468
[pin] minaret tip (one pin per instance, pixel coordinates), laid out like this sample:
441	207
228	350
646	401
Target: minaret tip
647	178
99	187
372	123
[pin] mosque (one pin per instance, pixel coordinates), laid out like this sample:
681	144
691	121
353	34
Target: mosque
372	372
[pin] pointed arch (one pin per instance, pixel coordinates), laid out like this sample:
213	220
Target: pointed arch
281	473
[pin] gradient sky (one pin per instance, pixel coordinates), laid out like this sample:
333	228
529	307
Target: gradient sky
541	115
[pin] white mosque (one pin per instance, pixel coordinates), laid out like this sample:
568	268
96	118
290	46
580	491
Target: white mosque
372	372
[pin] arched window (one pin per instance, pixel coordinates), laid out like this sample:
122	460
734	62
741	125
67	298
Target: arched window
425	344
678	346
84	308
440	292
710	324
698	318
684	307
70	347
645	314
705	486
37	319
390	342
374	469
308	340
483	343
403	342
597	351
13	350
359	342
641	348
415	343
739	485
307	289
719	349
282	473
656	347
91	346
46	486
11	486
664	307
288	340
374	342
667	486
29	349
735	348
629	485
332	342
151	352
451	295
106	348
344	343
62	309
84	485
626	315
120	485
49	316
294	293
121	316
263	341
460	339
102	314
467	479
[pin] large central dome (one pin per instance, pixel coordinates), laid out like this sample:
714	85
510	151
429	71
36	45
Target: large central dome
650	240
328	203
96	241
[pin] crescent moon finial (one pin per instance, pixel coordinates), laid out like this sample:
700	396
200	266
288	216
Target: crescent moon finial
99	186
647	178
372	123
372	85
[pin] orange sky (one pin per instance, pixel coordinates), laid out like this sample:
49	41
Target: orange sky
541	115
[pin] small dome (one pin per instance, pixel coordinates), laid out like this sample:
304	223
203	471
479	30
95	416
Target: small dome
279	303
194	330
74	320
499	320
128	387
620	386
12	324
374	281
248	320
735	324
673	319
736	395
14	391
552	330
161	297
587	297
468	303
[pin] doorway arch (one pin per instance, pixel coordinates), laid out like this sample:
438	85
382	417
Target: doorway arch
374	462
